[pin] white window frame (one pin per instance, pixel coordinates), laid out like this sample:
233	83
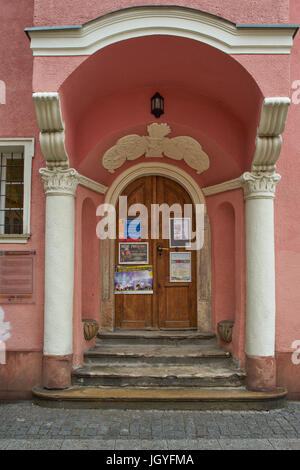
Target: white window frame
25	145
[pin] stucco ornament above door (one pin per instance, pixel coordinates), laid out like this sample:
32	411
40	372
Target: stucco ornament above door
156	144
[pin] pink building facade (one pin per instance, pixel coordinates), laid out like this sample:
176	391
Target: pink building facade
75	79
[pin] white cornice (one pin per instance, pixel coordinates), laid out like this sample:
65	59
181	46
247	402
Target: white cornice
92	185
15	142
14	238
222	187
175	21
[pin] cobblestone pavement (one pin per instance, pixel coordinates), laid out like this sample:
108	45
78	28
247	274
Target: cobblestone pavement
24	426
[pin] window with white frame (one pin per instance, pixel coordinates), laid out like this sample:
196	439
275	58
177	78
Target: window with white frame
15	189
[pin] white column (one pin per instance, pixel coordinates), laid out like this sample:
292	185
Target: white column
260	277
60	187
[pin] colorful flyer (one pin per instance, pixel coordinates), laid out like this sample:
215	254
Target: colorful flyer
180	267
129	229
133	253
133	280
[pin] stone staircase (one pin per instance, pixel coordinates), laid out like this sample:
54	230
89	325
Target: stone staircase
157	359
158	370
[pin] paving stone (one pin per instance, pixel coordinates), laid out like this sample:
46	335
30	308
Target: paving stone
141	444
285	444
88	444
193	444
22	421
245	444
4	443
34	444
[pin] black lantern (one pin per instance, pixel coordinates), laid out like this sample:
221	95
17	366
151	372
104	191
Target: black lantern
157	105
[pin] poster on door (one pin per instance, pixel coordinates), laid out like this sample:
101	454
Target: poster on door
180	232
134	280
133	253
129	229
180	267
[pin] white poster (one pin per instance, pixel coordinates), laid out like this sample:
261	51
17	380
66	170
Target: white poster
181	229
180	267
180	232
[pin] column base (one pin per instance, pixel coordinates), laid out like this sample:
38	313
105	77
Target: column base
261	373
57	372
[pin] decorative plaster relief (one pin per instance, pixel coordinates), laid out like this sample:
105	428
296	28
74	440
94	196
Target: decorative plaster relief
156	144
225	330
90	328
52	129
60	182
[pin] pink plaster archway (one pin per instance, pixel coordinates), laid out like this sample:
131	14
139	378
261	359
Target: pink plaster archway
208	95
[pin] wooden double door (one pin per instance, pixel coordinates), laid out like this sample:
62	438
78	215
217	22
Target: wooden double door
172	304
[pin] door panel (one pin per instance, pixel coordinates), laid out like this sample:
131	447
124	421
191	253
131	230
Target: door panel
133	310
172	305
176	314
176	301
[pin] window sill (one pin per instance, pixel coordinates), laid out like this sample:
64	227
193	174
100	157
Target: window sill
12	238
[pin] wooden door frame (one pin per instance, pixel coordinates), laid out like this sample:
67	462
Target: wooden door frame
107	247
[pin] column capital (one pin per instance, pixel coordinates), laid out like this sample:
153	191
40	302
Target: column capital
58	182
260	185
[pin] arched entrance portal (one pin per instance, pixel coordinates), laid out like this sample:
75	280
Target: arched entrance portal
194	311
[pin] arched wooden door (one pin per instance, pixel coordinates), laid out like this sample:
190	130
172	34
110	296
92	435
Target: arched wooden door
173	303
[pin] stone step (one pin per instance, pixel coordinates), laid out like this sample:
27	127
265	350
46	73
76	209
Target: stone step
185	354
159	375
237	398
175	337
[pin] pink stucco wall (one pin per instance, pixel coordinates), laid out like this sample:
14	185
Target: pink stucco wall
55	12
209	96
226	213
87	272
287	230
17	118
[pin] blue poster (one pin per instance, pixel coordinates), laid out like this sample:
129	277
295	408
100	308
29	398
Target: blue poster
130	229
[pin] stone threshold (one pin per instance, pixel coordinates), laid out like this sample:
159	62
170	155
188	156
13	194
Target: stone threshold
161	398
155	333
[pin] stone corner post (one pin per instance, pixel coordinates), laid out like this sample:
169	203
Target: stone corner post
60	188
259	191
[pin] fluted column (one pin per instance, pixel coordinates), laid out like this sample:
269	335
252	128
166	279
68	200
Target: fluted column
60	188
259	190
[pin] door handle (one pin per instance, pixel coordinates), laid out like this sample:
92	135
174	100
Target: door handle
161	248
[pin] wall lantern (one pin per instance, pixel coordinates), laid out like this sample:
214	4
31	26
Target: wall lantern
157	105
